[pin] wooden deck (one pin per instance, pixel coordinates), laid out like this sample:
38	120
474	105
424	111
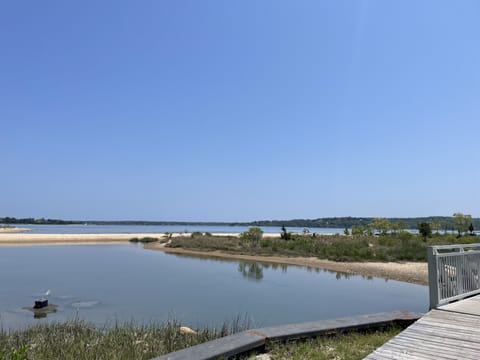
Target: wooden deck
450	332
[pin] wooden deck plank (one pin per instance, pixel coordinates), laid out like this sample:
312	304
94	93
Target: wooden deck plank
437	346
468	306
449	333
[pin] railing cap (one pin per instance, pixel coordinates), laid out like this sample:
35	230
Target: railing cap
460	247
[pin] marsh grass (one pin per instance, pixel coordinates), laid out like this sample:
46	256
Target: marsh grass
402	246
77	339
348	346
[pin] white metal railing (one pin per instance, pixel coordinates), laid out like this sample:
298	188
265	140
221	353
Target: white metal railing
453	272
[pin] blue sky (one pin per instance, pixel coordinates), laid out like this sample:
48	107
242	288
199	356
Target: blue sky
245	110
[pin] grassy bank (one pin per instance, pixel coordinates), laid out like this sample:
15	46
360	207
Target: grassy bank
402	246
80	340
350	346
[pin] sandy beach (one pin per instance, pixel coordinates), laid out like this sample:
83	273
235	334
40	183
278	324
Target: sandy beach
411	272
16	239
9	230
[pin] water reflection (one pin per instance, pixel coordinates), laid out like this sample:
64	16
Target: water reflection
251	271
255	270
42	312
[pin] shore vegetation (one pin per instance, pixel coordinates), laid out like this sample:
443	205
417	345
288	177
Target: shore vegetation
347	346
77	339
144	240
364	246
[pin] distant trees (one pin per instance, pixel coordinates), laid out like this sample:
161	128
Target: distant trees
381	225
285	235
425	230
462	222
435	225
358	230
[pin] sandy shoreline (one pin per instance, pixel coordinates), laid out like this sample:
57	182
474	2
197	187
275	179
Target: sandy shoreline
411	272
15	239
9	230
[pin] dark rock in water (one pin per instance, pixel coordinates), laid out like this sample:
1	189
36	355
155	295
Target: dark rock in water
39	304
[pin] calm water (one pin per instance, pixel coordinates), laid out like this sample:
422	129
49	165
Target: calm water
130	229
108	283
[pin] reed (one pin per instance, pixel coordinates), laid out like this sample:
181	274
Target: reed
77	339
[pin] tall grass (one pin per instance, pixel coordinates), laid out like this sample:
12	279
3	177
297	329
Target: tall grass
348	346
77	339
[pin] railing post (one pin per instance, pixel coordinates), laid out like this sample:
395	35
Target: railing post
433	277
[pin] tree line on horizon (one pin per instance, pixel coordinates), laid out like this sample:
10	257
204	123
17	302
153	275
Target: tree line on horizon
439	222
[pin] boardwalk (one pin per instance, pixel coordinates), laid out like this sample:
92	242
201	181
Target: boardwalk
449	332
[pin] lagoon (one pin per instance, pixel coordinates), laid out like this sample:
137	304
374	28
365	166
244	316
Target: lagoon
105	284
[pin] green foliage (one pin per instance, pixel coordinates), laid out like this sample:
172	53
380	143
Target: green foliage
358	230
425	230
284	234
345	346
462	223
401	246
400	225
382	225
346	232
196	234
471	229
15	354
207	243
168	235
143	240
252	236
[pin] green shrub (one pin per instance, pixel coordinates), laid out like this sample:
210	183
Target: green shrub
143	240
252	236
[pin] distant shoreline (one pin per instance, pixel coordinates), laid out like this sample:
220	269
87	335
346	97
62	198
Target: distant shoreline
337	222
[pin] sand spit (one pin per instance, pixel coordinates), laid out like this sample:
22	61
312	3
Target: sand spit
411	272
68	239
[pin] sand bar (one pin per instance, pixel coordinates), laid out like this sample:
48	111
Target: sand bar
8	230
11	239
